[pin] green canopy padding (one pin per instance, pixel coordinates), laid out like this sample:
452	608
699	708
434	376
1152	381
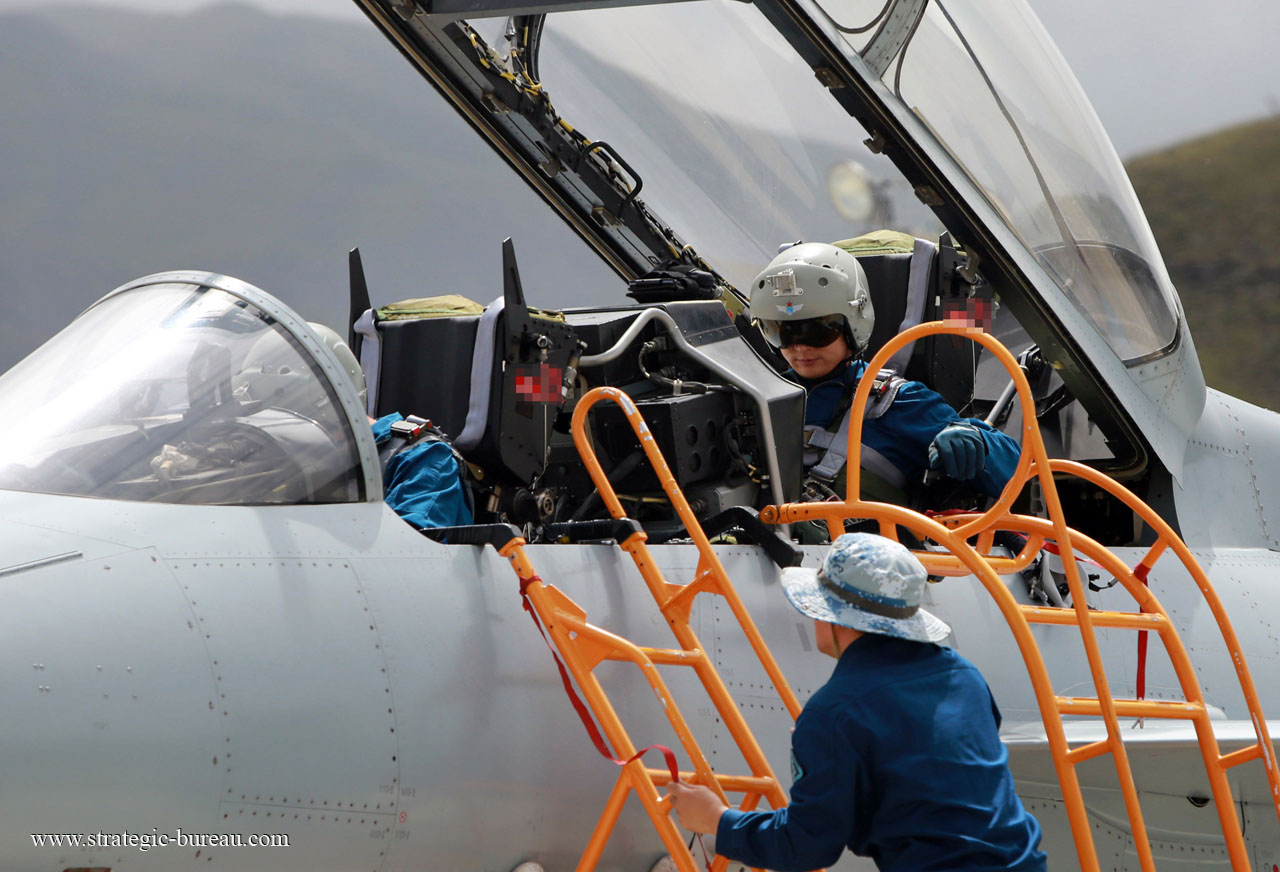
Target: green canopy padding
878	242
447	306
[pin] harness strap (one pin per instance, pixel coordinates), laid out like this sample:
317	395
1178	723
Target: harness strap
370	356
917	290
835	456
481	377
403	434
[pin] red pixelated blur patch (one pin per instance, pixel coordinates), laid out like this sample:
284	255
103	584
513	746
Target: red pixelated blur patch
972	313
539	384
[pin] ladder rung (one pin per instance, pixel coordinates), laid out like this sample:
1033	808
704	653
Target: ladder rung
949	565
1244	755
1130	708
1088	752
1067	617
733	783
668	656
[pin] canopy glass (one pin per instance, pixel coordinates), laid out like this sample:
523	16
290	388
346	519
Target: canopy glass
176	393
742	148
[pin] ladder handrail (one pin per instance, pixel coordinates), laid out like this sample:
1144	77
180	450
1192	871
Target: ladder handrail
1034	463
1166	536
676	601
709	566
583	646
1030	426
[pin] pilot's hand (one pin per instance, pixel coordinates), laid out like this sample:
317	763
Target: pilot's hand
959	451
697	807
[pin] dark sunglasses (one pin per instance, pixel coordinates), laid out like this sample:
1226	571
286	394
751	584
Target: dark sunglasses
813	332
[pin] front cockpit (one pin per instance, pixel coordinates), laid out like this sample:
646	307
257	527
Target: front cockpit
178	391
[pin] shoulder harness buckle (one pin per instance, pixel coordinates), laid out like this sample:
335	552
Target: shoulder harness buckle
411	428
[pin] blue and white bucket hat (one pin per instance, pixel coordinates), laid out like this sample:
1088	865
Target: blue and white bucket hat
868	583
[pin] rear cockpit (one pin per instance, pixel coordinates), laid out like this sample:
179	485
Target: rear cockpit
506	380
716	131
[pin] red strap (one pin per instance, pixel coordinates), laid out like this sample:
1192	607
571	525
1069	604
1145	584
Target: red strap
585	716
1052	548
1140	572
581	708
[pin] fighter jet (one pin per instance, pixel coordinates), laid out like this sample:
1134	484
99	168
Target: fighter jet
223	649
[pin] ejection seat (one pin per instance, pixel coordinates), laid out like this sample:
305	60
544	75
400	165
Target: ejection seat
913	281
491	377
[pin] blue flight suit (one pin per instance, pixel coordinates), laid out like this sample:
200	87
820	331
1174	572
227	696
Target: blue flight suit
898	758
903	433
422	482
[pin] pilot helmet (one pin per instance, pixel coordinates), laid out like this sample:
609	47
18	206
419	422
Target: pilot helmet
273	372
346	357
805	292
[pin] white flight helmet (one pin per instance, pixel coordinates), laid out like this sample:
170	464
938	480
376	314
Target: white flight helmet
812	280
274	373
346	357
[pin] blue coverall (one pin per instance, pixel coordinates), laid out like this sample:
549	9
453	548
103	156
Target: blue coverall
421	482
898	758
903	433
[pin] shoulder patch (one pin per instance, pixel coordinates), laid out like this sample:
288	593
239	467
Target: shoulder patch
797	771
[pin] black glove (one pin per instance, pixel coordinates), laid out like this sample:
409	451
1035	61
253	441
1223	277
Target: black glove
959	450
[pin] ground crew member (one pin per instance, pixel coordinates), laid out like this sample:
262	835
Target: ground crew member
897	757
812	303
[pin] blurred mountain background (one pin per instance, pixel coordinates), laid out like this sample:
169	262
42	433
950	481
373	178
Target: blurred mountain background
244	142
1214	207
236	141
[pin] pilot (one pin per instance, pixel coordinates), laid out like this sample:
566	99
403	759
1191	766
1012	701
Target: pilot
423	477
812	303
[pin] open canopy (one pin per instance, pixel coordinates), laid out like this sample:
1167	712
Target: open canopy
717	130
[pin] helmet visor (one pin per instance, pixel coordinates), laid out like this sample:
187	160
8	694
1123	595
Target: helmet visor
813	332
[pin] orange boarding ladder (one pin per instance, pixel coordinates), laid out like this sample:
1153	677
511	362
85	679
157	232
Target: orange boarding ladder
584	646
962	559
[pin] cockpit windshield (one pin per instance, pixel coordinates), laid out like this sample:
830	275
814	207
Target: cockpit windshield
996	93
176	393
742	148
